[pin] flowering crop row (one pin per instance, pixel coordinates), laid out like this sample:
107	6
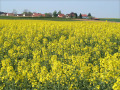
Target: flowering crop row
74	55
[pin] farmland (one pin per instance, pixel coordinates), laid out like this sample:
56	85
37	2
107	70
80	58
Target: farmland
35	18
110	19
55	55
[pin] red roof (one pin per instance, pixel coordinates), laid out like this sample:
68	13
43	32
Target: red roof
38	14
43	15
84	15
10	14
61	15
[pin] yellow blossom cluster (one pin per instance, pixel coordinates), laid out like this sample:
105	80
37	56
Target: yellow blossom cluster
54	55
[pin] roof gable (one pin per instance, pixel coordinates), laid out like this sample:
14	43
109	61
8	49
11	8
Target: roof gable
84	15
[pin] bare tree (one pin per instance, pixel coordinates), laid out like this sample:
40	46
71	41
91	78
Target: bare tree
26	11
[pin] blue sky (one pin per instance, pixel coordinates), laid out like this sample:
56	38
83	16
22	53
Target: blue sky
98	8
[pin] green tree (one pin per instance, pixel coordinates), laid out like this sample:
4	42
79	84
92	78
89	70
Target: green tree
27	12
75	15
89	14
80	16
48	14
59	12
55	13
72	15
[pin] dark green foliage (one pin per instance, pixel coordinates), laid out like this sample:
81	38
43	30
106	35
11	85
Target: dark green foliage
48	15
89	14
55	14
59	12
80	16
76	15
36	18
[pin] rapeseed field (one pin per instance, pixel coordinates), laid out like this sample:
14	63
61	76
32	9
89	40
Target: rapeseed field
54	55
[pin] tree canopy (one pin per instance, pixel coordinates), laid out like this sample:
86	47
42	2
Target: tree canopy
89	14
80	16
55	13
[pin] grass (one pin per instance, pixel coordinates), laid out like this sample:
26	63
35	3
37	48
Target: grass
110	19
53	19
36	18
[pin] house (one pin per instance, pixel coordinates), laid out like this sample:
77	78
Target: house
71	15
84	16
43	15
19	15
38	15
61	15
9	14
27	15
68	16
2	14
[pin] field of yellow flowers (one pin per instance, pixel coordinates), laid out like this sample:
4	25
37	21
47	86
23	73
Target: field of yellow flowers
54	55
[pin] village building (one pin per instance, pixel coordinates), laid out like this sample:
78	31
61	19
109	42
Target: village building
38	15
20	15
2	14
27	15
85	16
61	15
68	16
9	14
71	15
